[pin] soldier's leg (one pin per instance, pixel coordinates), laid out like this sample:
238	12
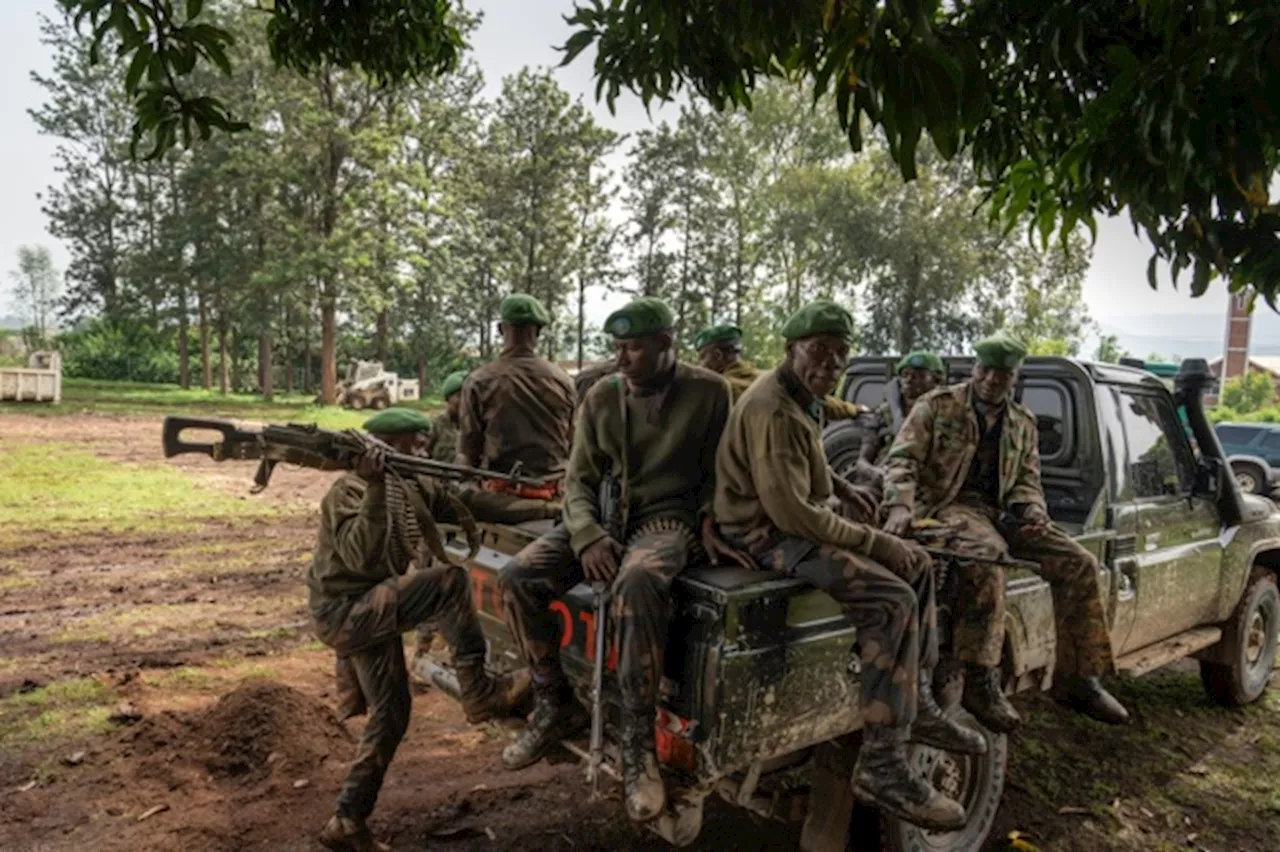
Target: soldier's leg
642	613
385	683
498	507
977	637
1084	641
884	608
529	583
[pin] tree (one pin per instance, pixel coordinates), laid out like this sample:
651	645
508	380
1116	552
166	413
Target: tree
1109	350
1068	110
36	287
1253	391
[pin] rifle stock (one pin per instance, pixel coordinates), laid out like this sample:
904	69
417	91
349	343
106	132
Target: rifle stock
319	449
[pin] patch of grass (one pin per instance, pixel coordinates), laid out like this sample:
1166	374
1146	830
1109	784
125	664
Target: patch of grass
10	584
63	709
134	398
82	492
186	678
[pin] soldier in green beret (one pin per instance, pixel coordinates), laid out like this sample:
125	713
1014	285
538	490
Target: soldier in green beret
517	410
443	443
363	593
916	374
652	428
720	350
774	493
968	456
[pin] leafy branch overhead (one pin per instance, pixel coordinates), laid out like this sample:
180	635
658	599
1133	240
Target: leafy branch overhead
1068	109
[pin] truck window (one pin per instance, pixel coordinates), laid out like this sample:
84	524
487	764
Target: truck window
1271	442
1159	463
870	392
1049	404
1234	434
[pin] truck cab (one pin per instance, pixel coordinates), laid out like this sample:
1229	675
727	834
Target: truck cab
759	702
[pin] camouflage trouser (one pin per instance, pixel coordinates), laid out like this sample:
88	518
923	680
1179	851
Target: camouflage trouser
543	571
365	631
1084	644
896	618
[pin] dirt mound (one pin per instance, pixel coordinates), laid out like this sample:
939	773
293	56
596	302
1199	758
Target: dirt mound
260	726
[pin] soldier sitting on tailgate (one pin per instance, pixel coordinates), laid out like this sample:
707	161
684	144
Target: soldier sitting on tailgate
654	426
773	488
719	349
442	445
916	374
967	456
517	410
363	593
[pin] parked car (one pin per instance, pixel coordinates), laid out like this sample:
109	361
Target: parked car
1253	451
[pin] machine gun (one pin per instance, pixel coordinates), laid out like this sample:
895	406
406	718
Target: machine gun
309	446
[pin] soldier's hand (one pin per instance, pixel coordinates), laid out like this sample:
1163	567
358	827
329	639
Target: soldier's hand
371	466
719	551
860	503
600	561
898	522
894	554
1035	521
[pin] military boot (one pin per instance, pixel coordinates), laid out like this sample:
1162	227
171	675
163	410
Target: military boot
933	728
884	779
344	834
642	786
1087	695
557	715
484	697
984	698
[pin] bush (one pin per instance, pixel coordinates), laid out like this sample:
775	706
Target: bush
128	352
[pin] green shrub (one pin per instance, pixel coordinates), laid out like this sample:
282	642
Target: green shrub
129	352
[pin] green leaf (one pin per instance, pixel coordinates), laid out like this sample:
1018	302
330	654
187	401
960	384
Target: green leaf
1152	280
137	67
194	7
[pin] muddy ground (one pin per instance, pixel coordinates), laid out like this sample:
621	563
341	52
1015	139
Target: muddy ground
159	690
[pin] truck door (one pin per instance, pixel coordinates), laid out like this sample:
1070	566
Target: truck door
1176	549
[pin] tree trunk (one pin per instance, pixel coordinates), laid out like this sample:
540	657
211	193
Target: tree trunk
582	316
237	363
422	374
264	365
206	368
184	345
907	317
328	351
223	359
286	326
380	336
306	351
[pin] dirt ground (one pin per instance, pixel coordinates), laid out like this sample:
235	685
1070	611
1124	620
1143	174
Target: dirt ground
159	690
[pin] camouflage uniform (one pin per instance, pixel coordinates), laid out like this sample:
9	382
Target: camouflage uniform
671	434
772	494
362	596
943	466
442	445
881	435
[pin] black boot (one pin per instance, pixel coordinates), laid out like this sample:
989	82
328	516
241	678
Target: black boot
984	698
884	779
933	728
484	697
1088	696
642	786
557	715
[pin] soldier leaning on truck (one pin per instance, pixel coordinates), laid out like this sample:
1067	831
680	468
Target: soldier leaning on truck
915	375
517	410
442	444
719	349
772	490
655	425
968	457
363	595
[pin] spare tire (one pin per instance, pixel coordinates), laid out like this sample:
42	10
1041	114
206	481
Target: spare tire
842	441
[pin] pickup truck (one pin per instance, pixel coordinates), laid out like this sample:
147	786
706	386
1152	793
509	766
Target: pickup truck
759	701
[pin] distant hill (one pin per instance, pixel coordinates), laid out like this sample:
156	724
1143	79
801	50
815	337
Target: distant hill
1189	335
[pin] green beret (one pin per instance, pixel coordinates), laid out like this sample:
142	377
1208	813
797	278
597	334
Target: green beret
453	383
645	315
816	318
397	421
921	360
717	334
523	309
1001	351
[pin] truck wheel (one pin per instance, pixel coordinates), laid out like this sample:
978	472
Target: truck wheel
842	441
976	782
379	402
356	401
1250	642
1251	478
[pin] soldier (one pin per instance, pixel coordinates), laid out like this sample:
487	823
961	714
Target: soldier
517	410
772	491
719	349
442	445
967	455
362	595
917	373
654	427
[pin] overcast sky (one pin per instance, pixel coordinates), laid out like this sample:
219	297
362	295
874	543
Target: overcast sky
515	33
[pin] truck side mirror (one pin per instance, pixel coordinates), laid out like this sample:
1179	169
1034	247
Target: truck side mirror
1208	479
